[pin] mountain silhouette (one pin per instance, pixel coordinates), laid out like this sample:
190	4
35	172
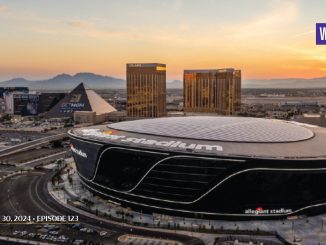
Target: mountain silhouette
68	82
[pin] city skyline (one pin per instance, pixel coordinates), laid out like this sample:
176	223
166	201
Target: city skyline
265	39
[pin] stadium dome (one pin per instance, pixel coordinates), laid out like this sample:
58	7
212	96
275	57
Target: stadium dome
209	166
233	129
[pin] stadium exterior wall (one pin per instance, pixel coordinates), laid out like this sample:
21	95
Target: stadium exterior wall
197	185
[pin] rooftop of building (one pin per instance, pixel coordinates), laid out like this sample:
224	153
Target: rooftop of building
236	136
210	70
145	65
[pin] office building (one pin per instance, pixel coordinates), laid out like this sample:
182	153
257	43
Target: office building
146	90
212	91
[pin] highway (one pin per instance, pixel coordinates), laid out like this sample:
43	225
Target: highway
44	160
27	195
31	144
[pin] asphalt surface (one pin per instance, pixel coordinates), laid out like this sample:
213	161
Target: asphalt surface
31	144
45	159
27	195
25	156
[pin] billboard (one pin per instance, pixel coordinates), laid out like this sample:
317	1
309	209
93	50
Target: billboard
4	90
49	100
74	104
26	104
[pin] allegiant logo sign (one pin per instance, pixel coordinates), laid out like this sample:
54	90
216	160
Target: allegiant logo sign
321	33
78	151
262	211
171	143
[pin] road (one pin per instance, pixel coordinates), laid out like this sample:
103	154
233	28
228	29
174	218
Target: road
31	144
35	155
46	159
27	195
250	99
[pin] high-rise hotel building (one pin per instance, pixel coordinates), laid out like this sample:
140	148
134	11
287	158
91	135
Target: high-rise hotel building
146	90
212	91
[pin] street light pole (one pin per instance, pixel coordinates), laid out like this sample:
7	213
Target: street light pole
322	224
293	231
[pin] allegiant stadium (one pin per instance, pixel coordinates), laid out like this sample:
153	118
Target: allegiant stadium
232	167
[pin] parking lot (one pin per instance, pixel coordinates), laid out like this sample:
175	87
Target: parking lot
58	234
139	240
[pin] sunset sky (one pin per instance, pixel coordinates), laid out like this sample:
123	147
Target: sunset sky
263	38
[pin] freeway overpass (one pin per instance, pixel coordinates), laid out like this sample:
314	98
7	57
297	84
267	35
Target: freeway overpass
31	144
45	160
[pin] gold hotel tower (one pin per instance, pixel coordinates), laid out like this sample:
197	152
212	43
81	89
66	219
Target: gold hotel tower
146	90
212	91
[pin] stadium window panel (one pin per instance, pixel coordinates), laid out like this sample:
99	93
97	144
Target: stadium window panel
122	169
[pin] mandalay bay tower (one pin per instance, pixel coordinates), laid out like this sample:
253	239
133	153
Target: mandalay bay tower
146	90
212	91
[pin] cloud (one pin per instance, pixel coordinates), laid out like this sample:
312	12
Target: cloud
304	33
3	8
181	33
78	23
303	54
280	16
82	29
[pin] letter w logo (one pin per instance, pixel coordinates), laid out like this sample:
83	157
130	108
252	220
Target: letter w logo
321	33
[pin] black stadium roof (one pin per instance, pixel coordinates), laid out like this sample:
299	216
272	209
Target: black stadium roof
231	136
232	129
